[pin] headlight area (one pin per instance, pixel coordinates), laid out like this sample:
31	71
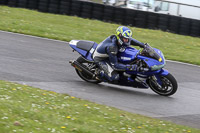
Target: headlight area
157	67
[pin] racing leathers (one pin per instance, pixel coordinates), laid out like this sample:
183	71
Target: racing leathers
105	56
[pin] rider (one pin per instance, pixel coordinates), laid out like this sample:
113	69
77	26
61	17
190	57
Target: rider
105	55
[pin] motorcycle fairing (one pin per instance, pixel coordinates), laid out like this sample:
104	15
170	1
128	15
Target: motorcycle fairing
157	74
153	63
85	48
128	55
162	72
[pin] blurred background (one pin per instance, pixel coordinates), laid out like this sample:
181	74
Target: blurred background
184	8
176	16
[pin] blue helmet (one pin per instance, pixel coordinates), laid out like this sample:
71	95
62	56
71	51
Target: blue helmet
123	32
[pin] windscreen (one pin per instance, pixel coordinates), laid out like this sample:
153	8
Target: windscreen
148	51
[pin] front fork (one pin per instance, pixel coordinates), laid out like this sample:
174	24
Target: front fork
156	81
157	77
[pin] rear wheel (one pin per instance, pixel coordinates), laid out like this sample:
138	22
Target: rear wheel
89	65
169	85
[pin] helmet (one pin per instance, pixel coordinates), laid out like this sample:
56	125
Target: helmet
123	32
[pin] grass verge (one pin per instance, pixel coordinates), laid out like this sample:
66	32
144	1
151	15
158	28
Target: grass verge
31	110
62	27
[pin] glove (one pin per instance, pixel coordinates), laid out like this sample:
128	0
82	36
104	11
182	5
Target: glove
132	67
137	68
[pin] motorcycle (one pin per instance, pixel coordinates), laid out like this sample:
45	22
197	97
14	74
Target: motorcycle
151	60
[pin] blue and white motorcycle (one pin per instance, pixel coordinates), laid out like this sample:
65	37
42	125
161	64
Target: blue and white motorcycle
150	59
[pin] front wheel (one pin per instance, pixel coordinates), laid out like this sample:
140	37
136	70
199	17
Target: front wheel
169	85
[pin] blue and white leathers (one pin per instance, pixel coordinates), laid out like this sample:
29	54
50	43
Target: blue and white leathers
106	55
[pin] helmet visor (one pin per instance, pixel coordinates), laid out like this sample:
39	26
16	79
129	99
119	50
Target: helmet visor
125	40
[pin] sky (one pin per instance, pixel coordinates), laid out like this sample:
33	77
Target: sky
190	2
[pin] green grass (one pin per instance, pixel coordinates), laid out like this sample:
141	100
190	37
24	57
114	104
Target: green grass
97	1
62	27
27	109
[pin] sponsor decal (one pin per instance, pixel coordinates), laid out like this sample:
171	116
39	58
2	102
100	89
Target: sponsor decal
125	58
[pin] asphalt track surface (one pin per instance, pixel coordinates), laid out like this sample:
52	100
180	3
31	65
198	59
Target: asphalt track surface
44	63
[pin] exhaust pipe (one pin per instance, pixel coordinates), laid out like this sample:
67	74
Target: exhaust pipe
81	68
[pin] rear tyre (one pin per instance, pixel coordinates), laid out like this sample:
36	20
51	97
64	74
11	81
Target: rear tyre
169	85
89	65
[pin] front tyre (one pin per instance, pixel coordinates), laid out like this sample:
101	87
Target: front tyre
169	85
89	65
